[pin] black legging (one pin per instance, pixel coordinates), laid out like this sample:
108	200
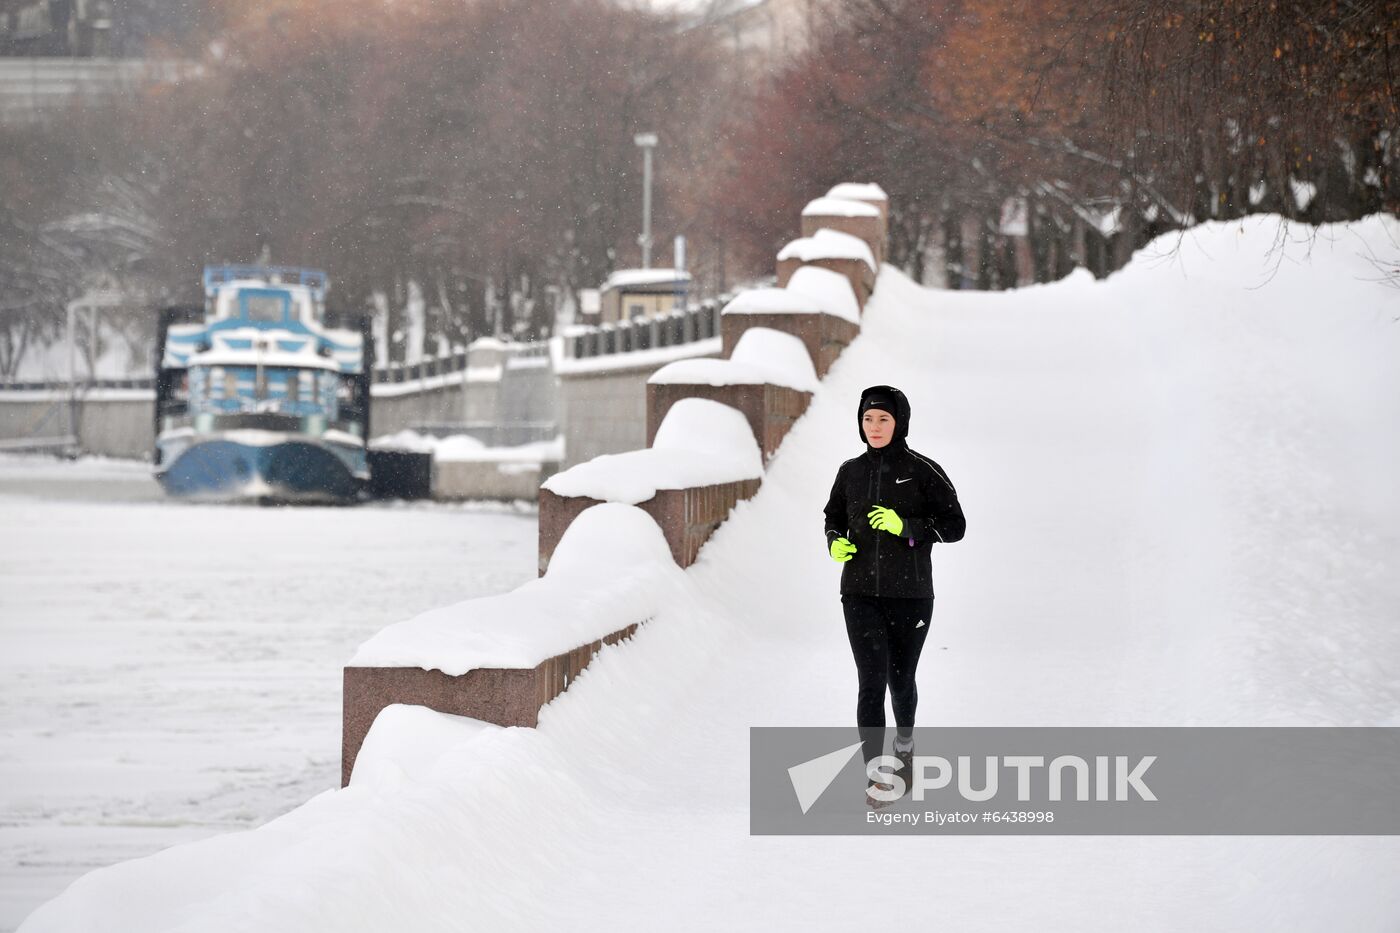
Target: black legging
886	639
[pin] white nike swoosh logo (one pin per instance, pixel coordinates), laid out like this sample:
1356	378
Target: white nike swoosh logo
905	480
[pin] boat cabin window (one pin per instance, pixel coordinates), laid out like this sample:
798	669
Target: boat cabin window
263	305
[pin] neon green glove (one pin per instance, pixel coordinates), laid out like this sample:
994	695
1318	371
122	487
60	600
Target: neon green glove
883	519
841	550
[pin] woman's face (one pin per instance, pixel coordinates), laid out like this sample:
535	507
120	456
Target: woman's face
878	425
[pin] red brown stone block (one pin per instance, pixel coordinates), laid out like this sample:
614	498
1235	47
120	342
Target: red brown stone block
769	409
687	517
824	335
504	696
860	275
866	193
870	228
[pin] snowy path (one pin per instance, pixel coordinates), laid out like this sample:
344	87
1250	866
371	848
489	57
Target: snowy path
1181	510
1169	524
172	672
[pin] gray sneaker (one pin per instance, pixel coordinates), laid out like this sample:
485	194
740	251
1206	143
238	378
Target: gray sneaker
906	765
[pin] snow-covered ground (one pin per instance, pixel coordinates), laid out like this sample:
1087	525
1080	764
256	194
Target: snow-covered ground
171	671
1182	510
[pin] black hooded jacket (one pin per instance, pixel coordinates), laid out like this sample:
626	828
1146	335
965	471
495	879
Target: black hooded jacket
897	478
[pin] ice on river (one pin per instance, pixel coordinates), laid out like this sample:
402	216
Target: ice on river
173	671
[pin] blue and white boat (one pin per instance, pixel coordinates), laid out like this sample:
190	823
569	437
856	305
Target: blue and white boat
259	397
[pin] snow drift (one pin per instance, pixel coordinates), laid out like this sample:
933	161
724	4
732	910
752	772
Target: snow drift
611	569
1180	492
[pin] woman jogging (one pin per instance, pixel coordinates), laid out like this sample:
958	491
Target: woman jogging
888	507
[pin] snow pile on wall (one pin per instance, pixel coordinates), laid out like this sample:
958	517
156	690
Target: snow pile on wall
406	742
710	373
839	207
612	568
828	244
858	191
811	290
761	355
699	443
772	301
831	290
707	427
781	354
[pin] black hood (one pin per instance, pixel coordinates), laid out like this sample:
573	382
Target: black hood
900	412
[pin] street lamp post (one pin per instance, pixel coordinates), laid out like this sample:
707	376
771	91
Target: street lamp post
647	142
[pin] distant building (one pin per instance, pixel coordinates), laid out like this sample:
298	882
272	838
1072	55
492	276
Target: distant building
632	293
55	28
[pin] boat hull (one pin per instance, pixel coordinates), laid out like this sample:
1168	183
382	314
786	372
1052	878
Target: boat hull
290	470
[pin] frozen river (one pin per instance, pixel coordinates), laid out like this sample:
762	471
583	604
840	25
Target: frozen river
174	671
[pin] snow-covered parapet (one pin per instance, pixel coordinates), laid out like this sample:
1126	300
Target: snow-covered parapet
773	301
827	244
783	356
769	379
714	430
831	290
858	191
818	306
708	372
812	290
703	459
833	251
610	569
867	193
839	207
858	217
762	356
700	443
499	659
